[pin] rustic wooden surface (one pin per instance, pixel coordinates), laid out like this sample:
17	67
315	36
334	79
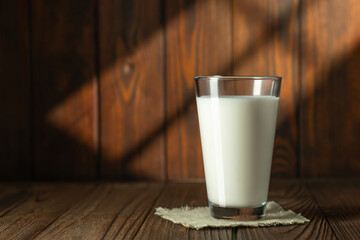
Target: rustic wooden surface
330	113
103	89
64	89
339	202
15	102
198	42
265	38
132	90
126	210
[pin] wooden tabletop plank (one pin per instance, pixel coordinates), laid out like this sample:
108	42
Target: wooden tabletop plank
64	211
178	195
35	207
291	195
126	211
10	198
127	224
110	211
295	196
339	201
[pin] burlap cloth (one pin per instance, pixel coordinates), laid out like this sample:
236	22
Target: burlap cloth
199	217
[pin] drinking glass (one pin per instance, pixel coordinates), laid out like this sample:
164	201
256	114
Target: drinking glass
237	119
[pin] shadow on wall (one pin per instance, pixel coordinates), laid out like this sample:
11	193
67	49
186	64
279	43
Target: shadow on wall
315	104
63	118
339	81
330	119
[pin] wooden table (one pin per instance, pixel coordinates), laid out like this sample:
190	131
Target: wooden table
126	210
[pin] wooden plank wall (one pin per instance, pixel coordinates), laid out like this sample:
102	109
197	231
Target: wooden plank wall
266	43
132	89
330	96
198	42
15	160
103	89
64	89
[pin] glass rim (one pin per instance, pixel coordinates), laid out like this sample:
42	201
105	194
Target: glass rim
240	77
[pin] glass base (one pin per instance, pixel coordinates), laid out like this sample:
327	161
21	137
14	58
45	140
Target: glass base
237	214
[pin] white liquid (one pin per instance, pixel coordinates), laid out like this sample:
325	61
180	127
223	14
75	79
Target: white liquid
237	138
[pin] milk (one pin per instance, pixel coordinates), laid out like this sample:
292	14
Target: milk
237	138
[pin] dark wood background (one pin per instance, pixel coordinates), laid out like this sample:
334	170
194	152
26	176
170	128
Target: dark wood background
103	89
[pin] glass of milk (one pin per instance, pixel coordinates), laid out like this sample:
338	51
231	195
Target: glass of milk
237	118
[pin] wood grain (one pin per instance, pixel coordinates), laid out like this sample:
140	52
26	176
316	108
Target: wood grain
35	207
131	87
126	210
339	202
110	211
14	91
147	54
266	42
178	195
198	42
64	89
330	113
289	194
292	195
